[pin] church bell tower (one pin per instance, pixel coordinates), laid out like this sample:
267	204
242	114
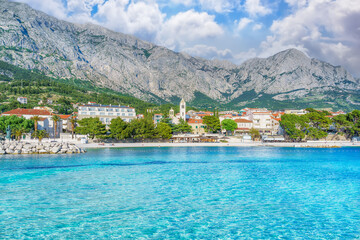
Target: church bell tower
171	113
183	109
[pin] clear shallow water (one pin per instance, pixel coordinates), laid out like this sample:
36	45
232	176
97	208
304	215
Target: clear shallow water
182	193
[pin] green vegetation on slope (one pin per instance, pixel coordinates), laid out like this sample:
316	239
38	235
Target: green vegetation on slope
330	99
36	86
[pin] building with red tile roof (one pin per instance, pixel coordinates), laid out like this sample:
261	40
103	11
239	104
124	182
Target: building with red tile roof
45	122
241	120
64	117
197	125
28	113
243	126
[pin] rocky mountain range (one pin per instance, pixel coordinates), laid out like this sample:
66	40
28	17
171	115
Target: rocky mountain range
32	39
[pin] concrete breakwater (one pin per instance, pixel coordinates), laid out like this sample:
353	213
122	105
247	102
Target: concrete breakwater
38	148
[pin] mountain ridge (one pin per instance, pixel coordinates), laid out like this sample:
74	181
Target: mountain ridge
34	40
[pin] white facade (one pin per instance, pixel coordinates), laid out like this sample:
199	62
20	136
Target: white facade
45	122
22	100
157	118
183	109
295	111
48	125
171	113
106	112
244	123
276	129
231	112
262	121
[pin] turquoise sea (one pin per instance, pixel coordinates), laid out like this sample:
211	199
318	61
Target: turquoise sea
182	193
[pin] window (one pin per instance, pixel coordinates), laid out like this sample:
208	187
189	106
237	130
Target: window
122	110
92	113
102	113
111	114
109	109
83	113
117	110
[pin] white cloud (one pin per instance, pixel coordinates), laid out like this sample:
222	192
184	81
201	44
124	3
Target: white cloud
186	27
77	6
52	7
254	8
142	19
209	52
219	6
257	27
243	23
297	3
186	3
333	38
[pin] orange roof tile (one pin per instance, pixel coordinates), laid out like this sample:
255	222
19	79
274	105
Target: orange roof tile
261	112
242	121
21	112
203	114
192	121
64	116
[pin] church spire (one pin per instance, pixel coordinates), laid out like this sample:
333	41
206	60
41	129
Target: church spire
183	109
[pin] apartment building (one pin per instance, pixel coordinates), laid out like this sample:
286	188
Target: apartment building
106	112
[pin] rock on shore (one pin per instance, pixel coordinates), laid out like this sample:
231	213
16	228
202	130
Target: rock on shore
38	148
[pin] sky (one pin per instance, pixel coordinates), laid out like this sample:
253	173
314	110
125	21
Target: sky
233	30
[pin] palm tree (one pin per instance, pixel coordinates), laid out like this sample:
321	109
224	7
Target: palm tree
18	133
36	119
73	122
55	119
40	134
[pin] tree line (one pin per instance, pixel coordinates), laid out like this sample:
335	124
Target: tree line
317	124
313	125
140	129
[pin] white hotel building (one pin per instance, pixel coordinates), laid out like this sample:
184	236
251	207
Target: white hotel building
106	112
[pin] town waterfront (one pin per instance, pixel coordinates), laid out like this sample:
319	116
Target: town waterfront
182	193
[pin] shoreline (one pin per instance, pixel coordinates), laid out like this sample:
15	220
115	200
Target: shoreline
24	147
332	144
